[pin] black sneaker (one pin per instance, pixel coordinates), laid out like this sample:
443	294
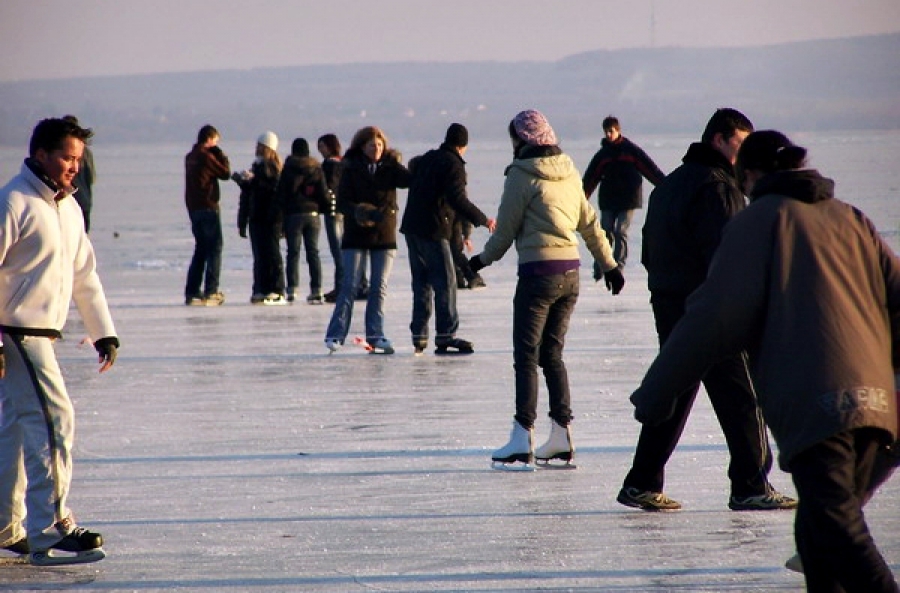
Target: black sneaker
331	297
18	547
647	500
454	346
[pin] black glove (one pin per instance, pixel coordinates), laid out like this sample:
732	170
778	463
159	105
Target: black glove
614	280
108	349
476	264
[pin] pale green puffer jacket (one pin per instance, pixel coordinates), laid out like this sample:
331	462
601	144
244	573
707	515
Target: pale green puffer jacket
542	208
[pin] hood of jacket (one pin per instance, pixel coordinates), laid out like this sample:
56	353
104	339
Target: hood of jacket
555	167
806	185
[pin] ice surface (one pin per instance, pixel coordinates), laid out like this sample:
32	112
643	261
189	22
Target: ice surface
227	451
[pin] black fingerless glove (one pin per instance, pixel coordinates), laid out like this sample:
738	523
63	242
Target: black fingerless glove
108	348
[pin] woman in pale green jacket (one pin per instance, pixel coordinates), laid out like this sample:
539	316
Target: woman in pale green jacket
542	210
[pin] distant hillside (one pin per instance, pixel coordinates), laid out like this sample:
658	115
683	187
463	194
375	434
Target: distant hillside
834	84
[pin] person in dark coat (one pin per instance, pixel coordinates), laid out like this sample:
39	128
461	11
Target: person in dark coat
302	196
205	165
367	197
259	212
84	180
437	196
618	168
685	218
807	287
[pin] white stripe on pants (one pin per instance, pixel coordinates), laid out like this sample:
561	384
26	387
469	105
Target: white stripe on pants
37	427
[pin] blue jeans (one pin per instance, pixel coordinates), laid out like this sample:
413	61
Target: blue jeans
542	308
616	224
382	260
303	228
433	277
334	229
207	260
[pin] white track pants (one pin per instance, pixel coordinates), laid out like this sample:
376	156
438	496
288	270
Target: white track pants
36	431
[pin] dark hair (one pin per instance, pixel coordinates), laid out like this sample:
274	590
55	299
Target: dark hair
207	132
769	151
725	121
49	134
332	144
611	121
300	147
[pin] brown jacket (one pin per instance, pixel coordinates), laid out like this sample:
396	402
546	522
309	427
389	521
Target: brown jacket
203	168
806	285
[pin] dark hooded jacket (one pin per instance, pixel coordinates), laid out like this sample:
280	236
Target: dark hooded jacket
807	286
301	187
375	194
685	217
437	195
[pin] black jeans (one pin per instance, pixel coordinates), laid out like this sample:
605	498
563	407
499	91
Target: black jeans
833	479
207	260
734	403
268	267
542	308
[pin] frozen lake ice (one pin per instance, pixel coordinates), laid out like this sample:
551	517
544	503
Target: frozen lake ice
226	451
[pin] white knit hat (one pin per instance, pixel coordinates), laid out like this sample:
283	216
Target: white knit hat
268	138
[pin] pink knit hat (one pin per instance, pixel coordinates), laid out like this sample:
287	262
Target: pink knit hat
534	129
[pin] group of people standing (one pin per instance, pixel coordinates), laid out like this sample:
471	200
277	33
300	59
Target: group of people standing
276	201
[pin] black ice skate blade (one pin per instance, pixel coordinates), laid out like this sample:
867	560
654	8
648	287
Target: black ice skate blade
512	466
58	558
454	352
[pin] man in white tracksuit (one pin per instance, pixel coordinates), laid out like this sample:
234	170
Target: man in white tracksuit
46	261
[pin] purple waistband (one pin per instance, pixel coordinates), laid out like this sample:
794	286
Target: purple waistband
548	267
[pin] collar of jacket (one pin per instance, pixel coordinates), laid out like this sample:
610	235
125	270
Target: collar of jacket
48	189
703	154
452	150
805	185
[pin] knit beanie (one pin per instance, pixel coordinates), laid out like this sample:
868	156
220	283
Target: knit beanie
300	147
268	138
457	135
534	129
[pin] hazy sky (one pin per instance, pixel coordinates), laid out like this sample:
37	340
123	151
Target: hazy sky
72	38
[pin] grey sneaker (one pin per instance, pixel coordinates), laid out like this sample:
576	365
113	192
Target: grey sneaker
194	301
771	501
647	500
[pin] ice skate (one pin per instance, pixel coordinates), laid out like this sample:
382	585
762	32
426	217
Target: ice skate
454	346
419	347
378	346
333	344
558	447
78	546
518	453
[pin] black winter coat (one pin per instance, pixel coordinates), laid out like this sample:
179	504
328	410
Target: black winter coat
618	168
379	191
437	195
257	202
301	188
685	218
